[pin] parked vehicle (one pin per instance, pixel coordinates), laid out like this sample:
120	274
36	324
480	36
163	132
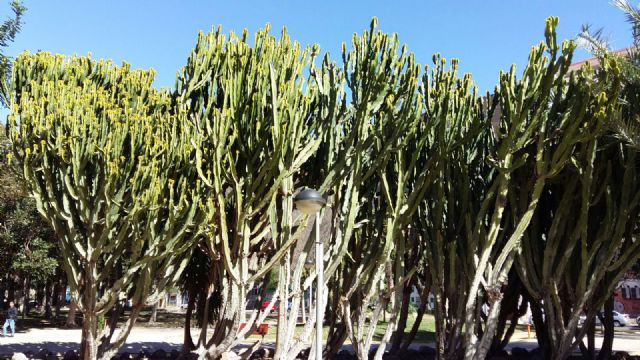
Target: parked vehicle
618	319
621	319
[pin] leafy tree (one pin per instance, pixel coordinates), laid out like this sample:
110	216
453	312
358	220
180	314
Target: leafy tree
8	31
27	249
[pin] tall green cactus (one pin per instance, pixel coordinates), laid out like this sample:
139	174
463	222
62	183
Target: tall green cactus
382	79
538	123
440	125
566	257
331	110
251	110
459	142
109	168
546	117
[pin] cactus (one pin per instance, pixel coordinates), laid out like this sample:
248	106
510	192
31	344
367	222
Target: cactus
361	144
250	111
330	108
109	168
461	142
132	179
539	122
580	237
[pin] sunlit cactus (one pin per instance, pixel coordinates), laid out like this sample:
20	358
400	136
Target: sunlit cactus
538	122
251	109
581	236
424	179
109	168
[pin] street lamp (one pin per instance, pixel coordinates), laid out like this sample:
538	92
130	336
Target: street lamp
310	202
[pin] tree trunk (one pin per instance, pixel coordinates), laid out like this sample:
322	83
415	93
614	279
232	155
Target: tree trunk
424	302
609	331
154	313
59	296
3	282
440	324
188	344
542	334
71	316
335	342
89	343
48	295
13	286
105	340
304	311
204	304
591	340
55	297
25	297
589	352
41	295
402	321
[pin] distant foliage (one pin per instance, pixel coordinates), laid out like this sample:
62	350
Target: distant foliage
8	31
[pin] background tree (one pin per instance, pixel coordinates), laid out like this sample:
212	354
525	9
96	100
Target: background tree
27	243
8	31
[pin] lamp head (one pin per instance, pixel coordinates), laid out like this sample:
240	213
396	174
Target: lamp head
309	264
309	201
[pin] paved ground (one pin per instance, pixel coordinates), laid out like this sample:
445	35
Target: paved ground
61	340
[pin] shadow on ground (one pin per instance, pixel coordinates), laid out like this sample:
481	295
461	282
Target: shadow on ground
63	347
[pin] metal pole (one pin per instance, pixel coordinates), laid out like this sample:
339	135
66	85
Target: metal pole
304	308
319	290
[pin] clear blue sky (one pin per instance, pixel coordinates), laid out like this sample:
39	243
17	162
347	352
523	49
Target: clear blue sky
486	35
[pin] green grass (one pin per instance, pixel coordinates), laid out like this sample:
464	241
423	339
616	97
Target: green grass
426	331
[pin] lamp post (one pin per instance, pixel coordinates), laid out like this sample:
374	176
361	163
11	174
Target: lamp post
310	202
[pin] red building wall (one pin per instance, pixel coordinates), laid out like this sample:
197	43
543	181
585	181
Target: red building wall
627	295
626	305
